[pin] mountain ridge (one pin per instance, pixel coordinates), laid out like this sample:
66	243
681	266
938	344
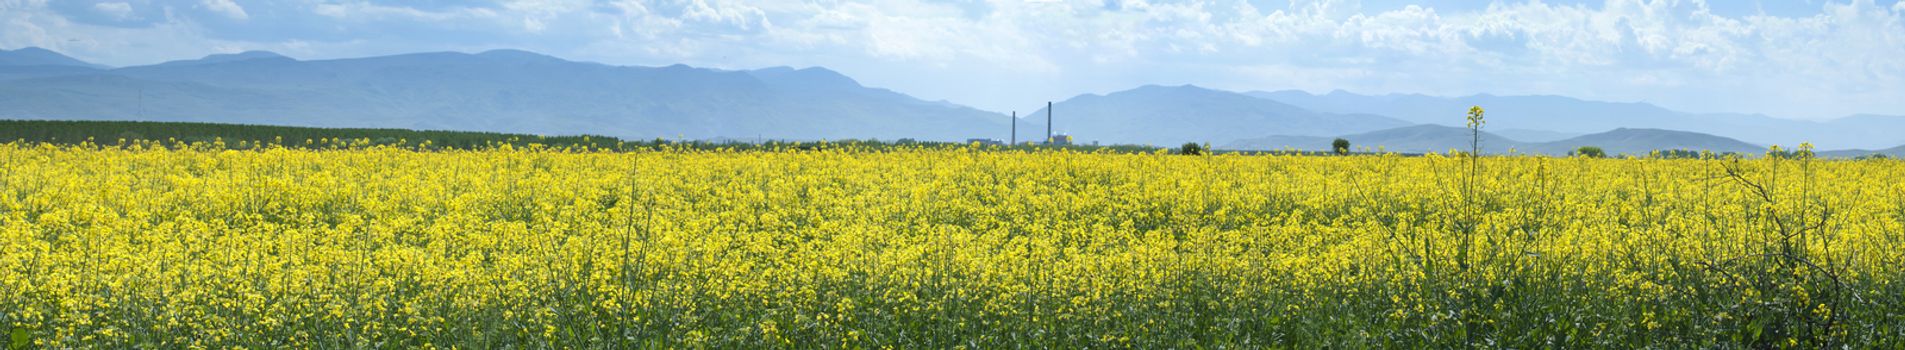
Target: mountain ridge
1563	114
36	56
496	91
228	57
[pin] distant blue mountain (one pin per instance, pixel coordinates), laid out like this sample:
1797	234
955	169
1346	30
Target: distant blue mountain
1574	116
1421	138
503	90
36	62
34	56
230	57
1172	115
1894	152
1532	135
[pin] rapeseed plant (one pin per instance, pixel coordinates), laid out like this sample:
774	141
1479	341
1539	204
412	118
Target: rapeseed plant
178	245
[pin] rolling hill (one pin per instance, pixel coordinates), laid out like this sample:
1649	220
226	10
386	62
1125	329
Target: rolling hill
1633	141
1894	152
1409	139
36	62
1436	138
33	56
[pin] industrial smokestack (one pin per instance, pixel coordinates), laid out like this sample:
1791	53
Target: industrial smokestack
1015	128
1048	122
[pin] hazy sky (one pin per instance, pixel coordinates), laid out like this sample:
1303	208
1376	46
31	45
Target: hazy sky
1787	58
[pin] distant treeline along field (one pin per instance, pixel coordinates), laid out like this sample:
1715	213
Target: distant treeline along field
249	136
246	136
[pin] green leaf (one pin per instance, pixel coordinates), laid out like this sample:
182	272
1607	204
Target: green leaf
1759	328
18	339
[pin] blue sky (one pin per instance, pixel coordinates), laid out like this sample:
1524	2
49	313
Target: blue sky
1789	58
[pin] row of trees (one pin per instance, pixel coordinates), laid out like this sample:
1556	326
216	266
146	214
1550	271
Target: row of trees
115	132
1340	147
242	136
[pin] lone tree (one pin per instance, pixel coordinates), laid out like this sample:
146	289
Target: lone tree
1589	151
1191	149
1341	146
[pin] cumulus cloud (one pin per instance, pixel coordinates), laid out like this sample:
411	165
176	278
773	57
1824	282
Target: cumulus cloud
116	10
372	11
227	8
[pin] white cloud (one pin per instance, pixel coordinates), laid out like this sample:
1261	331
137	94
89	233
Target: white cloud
737	15
20	33
227	8
116	10
369	11
12	5
537	13
533	24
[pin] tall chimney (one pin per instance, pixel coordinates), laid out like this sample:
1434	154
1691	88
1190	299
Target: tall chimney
1048	122
1015	128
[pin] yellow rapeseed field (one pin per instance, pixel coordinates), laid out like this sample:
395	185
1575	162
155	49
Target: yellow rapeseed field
945	247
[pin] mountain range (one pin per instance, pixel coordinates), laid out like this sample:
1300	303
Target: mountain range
1564	115
524	92
502	91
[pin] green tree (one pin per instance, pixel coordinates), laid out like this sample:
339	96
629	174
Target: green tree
1191	149
1588	151
1341	146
